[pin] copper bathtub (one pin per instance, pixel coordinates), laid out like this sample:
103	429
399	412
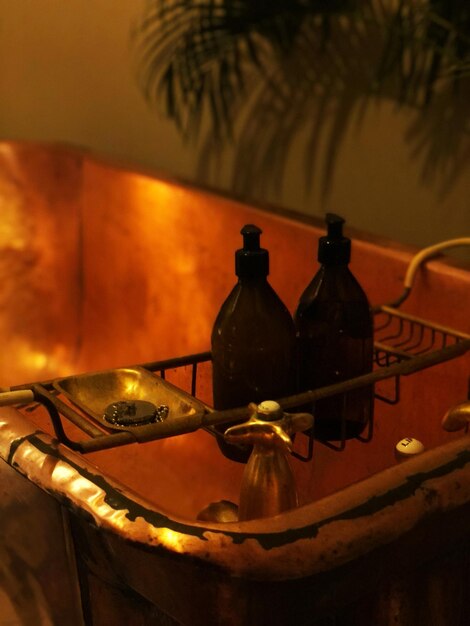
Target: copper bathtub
103	267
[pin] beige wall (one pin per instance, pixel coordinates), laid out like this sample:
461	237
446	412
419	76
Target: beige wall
66	75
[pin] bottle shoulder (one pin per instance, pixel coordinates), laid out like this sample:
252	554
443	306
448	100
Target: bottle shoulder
334	283
334	299
250	305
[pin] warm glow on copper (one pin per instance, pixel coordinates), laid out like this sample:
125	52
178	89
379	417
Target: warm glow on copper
9	155
160	215
10	238
13	234
38	362
63	474
164	220
83	490
171	539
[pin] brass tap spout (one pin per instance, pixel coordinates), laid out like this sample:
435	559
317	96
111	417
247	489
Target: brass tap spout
268	485
457	418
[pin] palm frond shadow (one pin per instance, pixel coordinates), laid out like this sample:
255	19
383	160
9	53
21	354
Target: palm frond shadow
440	139
268	74
314	95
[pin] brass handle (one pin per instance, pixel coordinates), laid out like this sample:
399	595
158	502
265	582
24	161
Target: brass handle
269	426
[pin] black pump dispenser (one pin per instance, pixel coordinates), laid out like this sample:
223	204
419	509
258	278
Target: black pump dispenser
252	341
251	260
334	248
335	343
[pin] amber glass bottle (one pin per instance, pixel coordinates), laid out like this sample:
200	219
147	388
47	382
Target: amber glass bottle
253	339
335	338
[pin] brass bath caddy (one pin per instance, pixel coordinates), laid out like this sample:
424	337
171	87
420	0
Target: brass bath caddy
404	344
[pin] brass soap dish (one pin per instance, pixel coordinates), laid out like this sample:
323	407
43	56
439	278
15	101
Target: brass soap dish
129	398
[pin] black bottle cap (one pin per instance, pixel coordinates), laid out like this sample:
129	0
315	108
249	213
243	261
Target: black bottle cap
251	260
334	248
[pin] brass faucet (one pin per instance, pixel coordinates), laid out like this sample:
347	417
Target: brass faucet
268	485
457	418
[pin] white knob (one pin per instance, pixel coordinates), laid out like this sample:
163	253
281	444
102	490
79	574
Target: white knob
408	447
269	406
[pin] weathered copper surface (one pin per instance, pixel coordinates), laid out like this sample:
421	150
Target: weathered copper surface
301	544
100	268
37	558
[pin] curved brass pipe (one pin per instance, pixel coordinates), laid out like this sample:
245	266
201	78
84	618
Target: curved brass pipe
457	418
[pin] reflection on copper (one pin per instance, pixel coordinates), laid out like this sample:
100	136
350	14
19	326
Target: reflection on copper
12	231
172	540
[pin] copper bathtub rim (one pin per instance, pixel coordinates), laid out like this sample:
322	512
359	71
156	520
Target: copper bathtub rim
312	539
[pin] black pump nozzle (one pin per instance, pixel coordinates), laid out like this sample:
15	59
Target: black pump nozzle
251	260
334	225
251	235
334	248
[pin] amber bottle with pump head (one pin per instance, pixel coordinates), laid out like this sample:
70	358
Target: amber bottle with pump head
335	338
253	339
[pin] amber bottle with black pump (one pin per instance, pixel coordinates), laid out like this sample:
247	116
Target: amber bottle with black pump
335	338
253	339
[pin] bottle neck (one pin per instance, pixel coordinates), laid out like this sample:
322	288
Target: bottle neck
256	279
335	268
